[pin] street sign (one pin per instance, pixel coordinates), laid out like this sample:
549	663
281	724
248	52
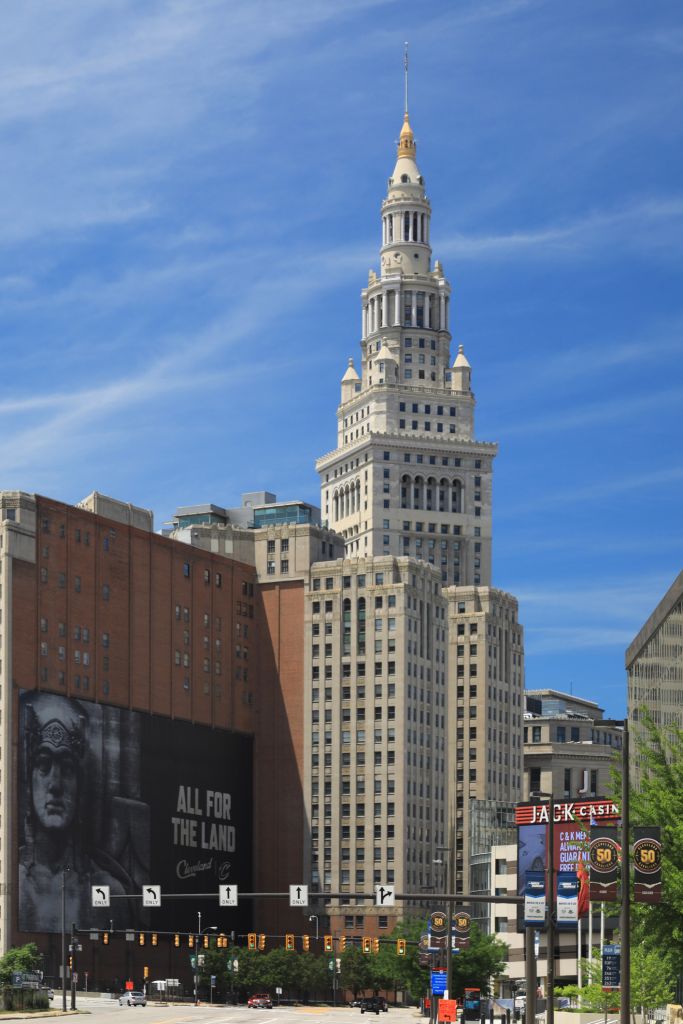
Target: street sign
438	983
298	895
227	895
213	981
611	967
385	895
151	895
130	936
448	1009
99	895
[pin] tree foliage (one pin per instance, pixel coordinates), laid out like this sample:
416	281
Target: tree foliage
659	801
19	958
652	982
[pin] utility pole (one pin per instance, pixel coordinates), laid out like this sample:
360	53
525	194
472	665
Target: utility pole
625	922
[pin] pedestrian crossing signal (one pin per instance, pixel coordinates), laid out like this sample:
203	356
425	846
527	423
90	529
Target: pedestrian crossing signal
251	940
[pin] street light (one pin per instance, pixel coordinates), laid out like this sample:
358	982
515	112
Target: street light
200	932
314	917
447	865
550	930
65	868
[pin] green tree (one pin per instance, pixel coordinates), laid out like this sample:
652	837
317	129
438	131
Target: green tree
652	978
590	996
485	958
659	801
356	971
19	958
315	975
281	969
410	977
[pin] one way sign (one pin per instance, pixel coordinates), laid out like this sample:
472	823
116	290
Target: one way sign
151	895
298	895
99	895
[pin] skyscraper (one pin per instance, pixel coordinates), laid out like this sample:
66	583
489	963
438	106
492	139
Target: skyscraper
409	488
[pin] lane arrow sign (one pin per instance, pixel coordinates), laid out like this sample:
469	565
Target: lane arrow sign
151	895
298	895
385	895
227	896
99	895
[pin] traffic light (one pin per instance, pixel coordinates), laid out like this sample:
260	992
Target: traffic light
145	972
141	938
306	943
261	941
176	939
289	941
71	962
367	944
190	941
154	938
400	947
206	942
221	941
105	938
375	945
327	944
251	940
342	943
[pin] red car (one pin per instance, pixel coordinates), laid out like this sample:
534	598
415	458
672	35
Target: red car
260	1001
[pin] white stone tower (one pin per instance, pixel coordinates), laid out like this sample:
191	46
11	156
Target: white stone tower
407	476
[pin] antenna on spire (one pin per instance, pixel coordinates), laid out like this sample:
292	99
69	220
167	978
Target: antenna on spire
405	75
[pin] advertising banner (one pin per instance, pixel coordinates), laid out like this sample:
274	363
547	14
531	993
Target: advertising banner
604	864
534	898
460	930
647	864
567	906
125	799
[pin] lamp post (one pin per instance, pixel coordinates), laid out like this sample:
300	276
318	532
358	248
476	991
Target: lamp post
550	930
200	932
446	861
65	868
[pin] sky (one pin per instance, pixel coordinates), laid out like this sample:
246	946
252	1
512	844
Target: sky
190	206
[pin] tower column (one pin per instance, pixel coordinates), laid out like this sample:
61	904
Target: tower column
364	322
442	312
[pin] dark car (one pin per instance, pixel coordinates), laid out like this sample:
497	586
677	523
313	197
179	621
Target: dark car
373	1004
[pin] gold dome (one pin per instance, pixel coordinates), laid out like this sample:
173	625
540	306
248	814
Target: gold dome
406	140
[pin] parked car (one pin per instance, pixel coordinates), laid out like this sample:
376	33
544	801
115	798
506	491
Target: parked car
133	999
260	1001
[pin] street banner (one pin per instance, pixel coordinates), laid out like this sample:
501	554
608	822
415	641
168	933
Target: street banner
460	929
567	905
534	898
647	864
604	857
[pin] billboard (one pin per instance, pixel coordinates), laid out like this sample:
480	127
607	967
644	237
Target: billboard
108	796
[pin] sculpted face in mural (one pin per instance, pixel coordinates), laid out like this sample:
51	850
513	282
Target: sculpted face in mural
55	844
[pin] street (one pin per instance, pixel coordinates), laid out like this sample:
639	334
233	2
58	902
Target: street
108	1011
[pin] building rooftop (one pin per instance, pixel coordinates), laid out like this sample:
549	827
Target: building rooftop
655	620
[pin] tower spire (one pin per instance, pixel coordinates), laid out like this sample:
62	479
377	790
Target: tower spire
406	142
405	77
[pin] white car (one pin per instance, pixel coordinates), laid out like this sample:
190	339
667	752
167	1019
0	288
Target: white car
133	999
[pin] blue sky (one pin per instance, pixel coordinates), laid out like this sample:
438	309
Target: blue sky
189	208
